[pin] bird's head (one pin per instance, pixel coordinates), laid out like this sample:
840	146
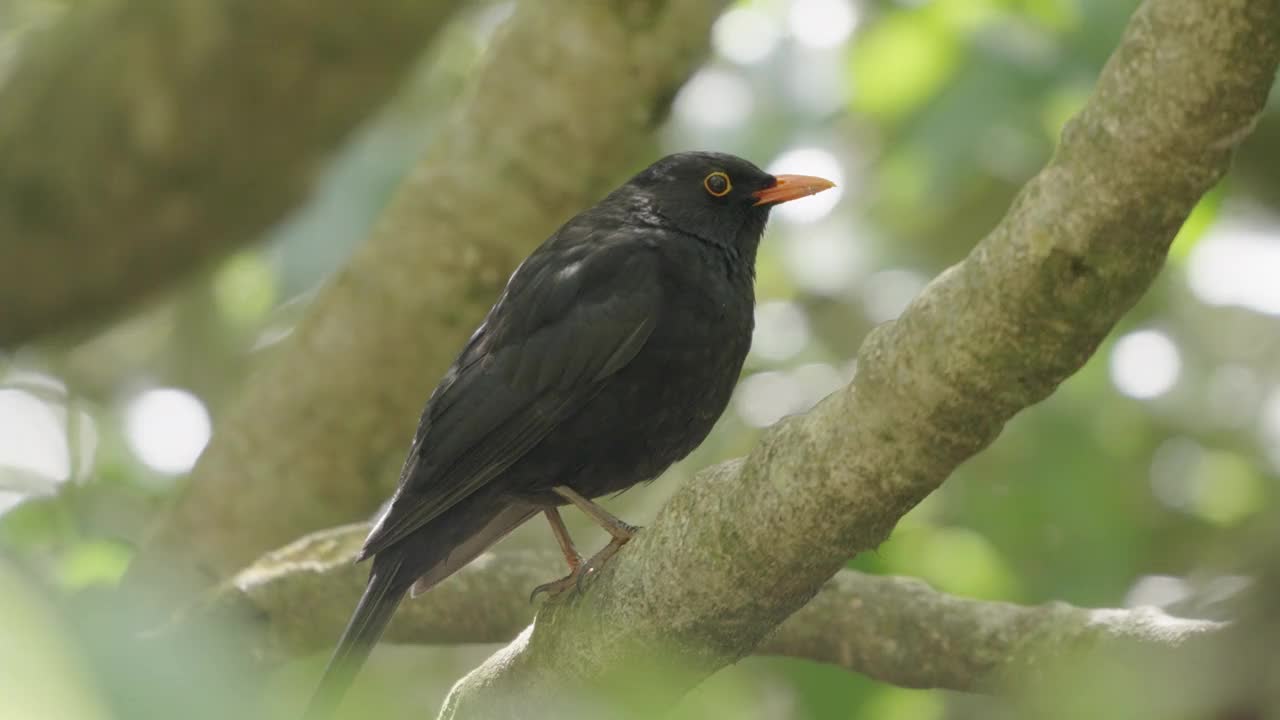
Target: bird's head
717	197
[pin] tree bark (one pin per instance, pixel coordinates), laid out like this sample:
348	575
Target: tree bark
897	630
748	543
566	103
141	138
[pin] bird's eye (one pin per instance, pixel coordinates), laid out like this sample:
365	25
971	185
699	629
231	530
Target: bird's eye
717	183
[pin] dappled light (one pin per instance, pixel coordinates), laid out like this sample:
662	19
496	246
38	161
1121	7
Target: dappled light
885	294
822	23
1145	364
765	398
167	428
816	161
782	330
745	35
34	457
1237	263
715	99
823	261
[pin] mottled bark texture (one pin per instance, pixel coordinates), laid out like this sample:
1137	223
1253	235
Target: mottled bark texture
897	630
565	104
141	138
748	543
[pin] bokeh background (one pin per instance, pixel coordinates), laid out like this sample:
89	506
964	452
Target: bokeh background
1138	482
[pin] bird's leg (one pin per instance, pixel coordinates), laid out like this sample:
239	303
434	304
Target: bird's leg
571	557
621	531
561	532
597	561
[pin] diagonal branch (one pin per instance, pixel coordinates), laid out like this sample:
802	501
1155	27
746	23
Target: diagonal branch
991	336
894	629
566	101
140	139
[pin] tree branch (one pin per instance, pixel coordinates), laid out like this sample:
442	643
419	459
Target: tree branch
894	629
174	132
991	336
565	103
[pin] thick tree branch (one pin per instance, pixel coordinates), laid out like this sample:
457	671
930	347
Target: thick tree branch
140	138
894	629
569	96
748	543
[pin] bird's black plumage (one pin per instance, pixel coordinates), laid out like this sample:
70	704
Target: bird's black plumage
610	354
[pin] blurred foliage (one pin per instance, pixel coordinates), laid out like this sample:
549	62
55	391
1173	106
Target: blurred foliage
935	112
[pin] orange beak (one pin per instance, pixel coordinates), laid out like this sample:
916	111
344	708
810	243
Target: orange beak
792	187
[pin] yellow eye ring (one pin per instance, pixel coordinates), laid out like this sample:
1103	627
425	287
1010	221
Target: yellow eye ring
717	184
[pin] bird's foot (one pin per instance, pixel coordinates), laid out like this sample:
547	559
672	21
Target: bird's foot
577	578
556	587
597	561
621	533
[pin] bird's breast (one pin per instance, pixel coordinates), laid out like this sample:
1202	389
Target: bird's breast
655	410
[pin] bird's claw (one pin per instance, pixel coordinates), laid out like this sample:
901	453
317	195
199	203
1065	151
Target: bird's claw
576	580
579	585
555	587
597	561
632	529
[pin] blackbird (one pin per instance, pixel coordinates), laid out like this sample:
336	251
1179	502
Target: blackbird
610	354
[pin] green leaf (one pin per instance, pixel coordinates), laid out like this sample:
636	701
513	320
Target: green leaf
1059	15
245	288
96	562
43	675
900	62
893	703
1227	488
1060	106
1197	224
953	559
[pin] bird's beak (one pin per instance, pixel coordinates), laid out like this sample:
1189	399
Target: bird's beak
791	187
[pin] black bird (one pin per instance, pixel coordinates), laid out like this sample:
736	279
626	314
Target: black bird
610	354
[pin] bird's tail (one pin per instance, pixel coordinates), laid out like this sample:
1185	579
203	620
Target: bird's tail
430	555
382	594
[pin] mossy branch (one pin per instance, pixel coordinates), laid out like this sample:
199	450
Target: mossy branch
141	139
898	630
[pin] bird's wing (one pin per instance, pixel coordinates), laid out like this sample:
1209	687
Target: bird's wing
569	319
